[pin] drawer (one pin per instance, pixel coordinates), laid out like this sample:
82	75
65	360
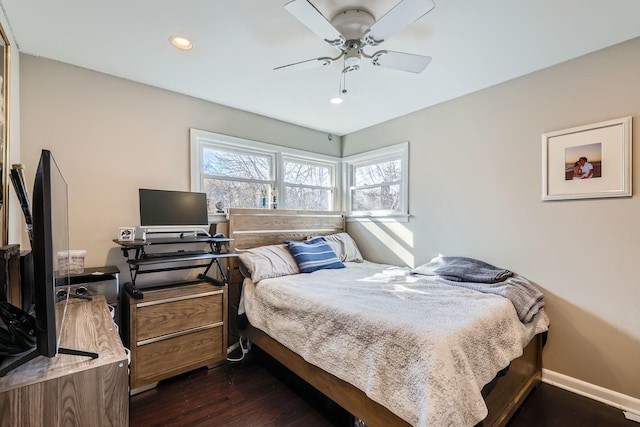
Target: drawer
157	318
171	355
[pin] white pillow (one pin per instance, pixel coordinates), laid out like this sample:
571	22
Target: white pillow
266	262
345	247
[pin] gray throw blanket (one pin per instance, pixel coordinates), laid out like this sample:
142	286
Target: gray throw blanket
457	271
461	269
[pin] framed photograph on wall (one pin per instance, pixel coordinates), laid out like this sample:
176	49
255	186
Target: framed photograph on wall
587	161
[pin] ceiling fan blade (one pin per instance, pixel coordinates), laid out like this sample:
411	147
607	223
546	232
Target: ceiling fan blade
394	21
400	61
305	65
307	13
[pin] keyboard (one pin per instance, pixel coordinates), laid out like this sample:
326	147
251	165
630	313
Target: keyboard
175	254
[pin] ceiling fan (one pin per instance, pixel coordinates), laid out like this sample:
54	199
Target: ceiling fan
352	30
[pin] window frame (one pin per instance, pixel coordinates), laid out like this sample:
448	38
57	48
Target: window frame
381	155
201	139
334	168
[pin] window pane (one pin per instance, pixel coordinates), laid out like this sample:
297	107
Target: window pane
235	194
378	173
307	174
385	198
307	198
236	165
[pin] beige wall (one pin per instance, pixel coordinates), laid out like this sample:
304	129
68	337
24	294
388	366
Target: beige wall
111	136
475	190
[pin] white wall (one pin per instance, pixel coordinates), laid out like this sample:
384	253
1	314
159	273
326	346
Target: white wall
111	136
475	190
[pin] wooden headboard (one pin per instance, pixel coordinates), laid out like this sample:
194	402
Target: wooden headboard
259	227
250	228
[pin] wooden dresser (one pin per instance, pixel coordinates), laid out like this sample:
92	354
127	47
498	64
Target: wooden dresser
72	390
175	329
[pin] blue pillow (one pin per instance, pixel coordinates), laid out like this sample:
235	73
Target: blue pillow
314	254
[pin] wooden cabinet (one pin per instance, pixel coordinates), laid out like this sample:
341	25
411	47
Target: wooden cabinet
68	390
175	329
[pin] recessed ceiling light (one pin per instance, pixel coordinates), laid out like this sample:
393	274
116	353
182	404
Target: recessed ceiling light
336	100
181	42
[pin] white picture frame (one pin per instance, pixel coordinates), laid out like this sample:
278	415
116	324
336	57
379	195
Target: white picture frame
606	146
126	234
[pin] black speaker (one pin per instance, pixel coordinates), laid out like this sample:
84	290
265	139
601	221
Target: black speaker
26	280
212	229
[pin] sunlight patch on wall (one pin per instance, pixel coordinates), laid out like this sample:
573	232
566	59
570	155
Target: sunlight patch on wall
395	236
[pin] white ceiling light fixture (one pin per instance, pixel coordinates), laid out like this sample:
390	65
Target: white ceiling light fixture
181	42
351	31
342	90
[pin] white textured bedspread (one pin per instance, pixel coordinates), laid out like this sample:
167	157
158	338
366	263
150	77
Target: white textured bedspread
421	348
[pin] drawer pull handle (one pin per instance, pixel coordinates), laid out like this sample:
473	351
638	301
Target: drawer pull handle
179	333
186	297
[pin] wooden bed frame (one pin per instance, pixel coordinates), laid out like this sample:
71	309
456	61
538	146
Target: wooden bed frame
258	227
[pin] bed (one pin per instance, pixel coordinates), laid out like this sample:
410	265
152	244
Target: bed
383	397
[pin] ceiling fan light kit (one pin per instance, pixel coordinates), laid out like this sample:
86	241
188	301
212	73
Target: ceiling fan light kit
351	31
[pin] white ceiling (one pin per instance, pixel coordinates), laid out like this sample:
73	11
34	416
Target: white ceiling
474	44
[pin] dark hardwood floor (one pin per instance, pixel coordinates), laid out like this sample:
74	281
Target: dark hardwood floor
260	392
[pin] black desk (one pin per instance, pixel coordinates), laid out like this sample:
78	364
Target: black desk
139	262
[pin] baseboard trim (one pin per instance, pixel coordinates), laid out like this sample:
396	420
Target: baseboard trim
629	405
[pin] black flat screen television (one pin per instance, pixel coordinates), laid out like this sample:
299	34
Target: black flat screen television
164	208
50	238
50	241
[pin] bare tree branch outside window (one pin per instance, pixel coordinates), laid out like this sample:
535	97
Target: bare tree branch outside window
240	173
307	186
237	165
248	178
377	186
239	179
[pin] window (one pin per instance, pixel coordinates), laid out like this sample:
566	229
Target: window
244	174
378	182
308	185
235	177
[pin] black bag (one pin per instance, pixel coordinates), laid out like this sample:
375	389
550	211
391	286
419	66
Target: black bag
17	330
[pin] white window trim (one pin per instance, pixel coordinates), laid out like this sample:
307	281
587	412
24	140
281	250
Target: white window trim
398	150
199	138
